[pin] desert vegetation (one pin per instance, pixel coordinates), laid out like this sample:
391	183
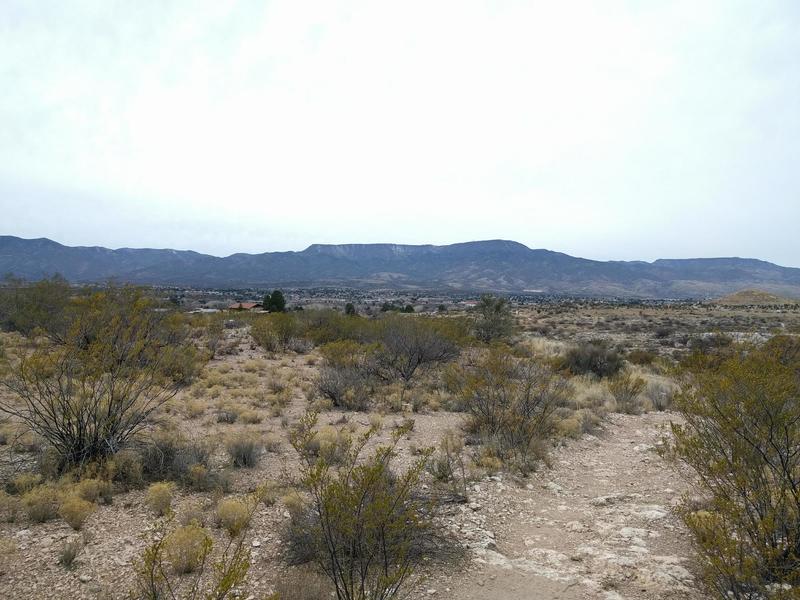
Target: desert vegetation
247	452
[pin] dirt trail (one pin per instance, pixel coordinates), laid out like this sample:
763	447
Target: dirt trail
599	524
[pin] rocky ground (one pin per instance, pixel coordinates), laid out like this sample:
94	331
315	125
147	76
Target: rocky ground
599	524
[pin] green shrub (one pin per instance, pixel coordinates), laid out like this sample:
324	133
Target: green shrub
511	403
741	434
360	505
592	357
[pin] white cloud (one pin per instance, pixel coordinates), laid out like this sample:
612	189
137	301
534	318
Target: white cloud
609	130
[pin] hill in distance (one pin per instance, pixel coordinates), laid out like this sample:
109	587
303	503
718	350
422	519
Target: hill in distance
753	298
494	265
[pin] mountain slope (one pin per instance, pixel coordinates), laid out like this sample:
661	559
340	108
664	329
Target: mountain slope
496	265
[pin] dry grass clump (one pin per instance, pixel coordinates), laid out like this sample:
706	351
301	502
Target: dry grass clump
301	585
75	510
195	409
10	507
232	515
126	469
251	417
159	497
94	489
186	548
243	450
41	503
24	482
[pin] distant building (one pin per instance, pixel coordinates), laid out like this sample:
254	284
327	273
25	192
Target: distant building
245	306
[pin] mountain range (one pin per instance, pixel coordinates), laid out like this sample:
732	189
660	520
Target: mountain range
494	265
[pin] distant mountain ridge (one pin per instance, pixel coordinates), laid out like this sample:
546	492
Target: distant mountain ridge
493	265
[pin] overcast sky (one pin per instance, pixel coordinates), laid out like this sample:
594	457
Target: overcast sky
609	130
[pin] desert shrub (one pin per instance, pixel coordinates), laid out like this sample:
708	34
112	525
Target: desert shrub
408	345
661	395
91	391
362	524
232	515
494	320
592	357
626	389
641	357
127	470
226	415
41	503
243	450
168	455
741	435
69	553
251	417
75	510
305	585
10	507
195	409
346	387
511	402
24	482
447	465
159	497
186	548
94	489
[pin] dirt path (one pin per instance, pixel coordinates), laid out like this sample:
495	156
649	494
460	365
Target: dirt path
599	524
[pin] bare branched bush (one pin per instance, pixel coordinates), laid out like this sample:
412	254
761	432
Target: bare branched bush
89	393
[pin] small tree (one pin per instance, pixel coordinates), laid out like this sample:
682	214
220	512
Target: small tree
120	360
494	319
275	302
363	525
350	309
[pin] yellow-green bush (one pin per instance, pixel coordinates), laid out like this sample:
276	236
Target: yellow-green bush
741	434
75	510
232	515
159	497
41	503
186	548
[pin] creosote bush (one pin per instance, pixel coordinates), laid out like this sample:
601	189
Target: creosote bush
592	357
741	435
362	524
511	402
